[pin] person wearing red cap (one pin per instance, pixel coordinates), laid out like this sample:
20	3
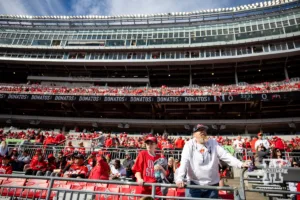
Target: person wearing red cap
5	167
144	166
262	141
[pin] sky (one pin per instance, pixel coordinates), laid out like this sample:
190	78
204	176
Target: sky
111	7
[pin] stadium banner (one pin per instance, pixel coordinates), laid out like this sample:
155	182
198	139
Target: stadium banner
155	99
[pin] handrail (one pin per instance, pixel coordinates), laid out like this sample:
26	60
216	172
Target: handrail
153	185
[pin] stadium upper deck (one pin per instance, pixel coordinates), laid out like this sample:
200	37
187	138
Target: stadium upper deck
249	23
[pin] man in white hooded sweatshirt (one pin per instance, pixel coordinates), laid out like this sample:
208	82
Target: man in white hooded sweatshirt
200	162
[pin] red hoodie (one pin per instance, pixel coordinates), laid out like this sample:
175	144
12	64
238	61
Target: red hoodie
100	171
278	144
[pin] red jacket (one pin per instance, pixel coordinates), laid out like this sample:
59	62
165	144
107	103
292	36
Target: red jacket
38	166
108	142
60	138
5	169
100	171
278	144
77	170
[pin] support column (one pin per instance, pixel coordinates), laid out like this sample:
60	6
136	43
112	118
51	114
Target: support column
286	74
236	76
191	76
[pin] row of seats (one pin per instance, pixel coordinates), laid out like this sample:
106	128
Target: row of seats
81	186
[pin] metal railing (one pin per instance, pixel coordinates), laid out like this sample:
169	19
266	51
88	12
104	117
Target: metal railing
274	189
48	188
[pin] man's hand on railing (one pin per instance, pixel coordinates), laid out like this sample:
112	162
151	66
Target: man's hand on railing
180	184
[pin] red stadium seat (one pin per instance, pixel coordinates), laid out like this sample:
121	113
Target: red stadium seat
97	184
107	196
76	183
171	193
118	186
36	181
130	190
180	192
33	193
63	186
225	195
11	191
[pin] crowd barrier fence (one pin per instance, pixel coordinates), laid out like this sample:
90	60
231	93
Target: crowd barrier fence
50	188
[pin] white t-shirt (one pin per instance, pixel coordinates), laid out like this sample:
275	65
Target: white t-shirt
121	171
238	144
263	142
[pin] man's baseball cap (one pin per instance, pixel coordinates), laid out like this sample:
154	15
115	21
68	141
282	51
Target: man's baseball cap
199	127
274	137
260	134
151	138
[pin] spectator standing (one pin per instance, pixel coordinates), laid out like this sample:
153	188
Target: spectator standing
60	138
277	143
262	141
228	147
252	143
3	149
200	162
108	141
179	143
144	166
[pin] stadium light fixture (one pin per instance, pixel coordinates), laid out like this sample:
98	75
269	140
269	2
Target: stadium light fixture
126	126
120	126
222	127
95	125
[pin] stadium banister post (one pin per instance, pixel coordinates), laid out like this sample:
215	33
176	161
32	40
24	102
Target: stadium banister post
242	194
49	188
153	190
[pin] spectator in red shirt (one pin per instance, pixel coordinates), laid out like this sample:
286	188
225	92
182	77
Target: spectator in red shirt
277	143
50	140
37	165
60	138
144	169
101	171
69	149
77	169
179	143
108	141
163	143
81	148
5	167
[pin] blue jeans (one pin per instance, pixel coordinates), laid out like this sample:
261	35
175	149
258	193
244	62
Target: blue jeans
201	193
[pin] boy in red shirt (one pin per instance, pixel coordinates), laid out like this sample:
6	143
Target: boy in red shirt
144	165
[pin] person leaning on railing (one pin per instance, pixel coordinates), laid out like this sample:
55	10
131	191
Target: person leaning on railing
200	163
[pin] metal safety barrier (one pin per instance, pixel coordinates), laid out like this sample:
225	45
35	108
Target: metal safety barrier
272	189
50	188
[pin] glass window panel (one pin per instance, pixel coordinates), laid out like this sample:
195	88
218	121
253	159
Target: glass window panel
248	28
181	34
285	23
214	32
272	25
220	32
225	31
292	21
203	33
242	29
260	27
279	24
208	32
267	26
254	27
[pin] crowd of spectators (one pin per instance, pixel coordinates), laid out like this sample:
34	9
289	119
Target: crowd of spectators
77	162
266	87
